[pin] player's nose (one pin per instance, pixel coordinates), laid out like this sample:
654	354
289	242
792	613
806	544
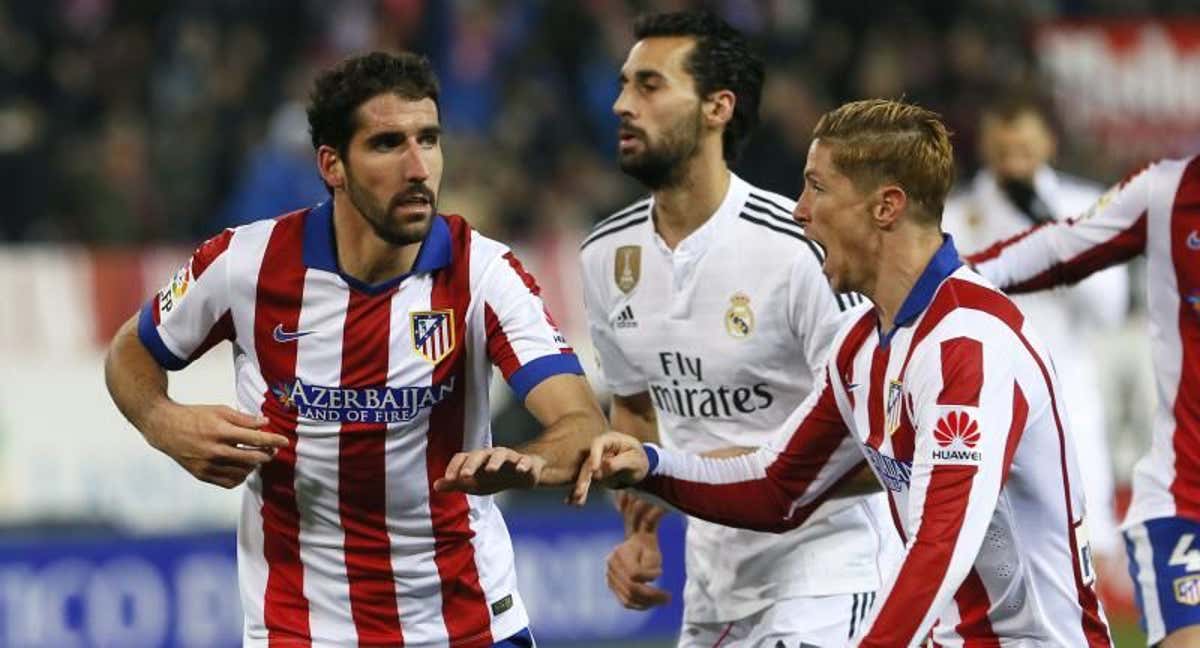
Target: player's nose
415	167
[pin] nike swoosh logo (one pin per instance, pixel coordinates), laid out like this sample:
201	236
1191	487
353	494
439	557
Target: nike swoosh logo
281	336
1193	240
852	386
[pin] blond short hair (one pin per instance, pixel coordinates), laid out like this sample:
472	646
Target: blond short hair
877	141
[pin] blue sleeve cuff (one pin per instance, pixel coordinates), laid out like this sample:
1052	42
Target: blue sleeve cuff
148	334
534	372
651	456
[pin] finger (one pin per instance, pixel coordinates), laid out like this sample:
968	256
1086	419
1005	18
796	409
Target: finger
241	419
524	464
455	465
620	588
624	464
225	477
583	482
249	458
246	436
472	464
647	596
498	458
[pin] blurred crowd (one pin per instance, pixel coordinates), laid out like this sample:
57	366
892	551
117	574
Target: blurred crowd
134	121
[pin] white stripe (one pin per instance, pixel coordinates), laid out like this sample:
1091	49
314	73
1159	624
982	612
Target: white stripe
1147	582
322	540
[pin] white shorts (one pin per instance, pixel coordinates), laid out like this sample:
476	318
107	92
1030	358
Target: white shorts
800	622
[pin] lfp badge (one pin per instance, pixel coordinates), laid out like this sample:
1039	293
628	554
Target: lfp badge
433	333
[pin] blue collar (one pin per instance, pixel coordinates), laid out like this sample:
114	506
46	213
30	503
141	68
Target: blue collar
943	264
320	251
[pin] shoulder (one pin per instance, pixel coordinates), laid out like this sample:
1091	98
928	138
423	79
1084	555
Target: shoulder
967	305
766	218
620	221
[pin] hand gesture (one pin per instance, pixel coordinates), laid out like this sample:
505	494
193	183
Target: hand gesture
491	470
630	568
616	460
215	443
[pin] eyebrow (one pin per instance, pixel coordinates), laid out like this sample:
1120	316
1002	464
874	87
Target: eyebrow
424	131
642	76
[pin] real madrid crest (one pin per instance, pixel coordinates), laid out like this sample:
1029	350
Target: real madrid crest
627	268
892	415
739	319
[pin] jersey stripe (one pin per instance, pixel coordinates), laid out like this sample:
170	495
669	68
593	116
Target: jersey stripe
613	230
279	295
964	386
973	604
499	349
1015	431
849	348
362	492
876	395
784	220
637	207
464	606
209	251
1184	223
763	198
783	230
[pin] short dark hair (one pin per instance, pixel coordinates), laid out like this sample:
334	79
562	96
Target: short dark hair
1012	103
720	60
339	91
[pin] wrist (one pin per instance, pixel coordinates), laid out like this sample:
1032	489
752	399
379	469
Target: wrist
153	418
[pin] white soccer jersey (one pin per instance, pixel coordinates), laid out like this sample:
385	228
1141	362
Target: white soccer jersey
1155	212
956	411
981	214
341	539
724	332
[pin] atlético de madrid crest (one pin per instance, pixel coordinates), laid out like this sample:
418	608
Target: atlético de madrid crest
433	333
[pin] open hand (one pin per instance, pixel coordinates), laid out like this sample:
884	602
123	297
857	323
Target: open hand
215	443
491	470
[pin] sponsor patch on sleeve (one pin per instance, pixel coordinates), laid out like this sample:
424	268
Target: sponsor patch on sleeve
956	435
173	293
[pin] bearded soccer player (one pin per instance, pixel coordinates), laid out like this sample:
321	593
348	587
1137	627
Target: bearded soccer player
939	385
711	318
1154	212
364	333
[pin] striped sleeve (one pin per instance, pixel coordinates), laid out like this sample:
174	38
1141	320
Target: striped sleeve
1063	252
191	313
523	340
775	488
966	406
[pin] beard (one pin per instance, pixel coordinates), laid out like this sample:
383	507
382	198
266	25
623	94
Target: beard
660	165
378	216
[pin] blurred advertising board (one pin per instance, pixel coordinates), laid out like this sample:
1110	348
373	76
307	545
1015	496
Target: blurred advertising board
1131	86
82	589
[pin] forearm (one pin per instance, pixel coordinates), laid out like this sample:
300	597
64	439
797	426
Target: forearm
136	382
564	445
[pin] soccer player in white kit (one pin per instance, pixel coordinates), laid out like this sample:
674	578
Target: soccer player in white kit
364	333
710	317
1015	189
1154	212
941	387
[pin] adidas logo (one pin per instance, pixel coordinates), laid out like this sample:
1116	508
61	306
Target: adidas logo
626	319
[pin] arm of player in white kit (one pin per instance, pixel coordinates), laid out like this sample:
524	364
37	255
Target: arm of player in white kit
1063	252
966	426
774	488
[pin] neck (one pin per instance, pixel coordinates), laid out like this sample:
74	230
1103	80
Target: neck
909	251
361	253
683	207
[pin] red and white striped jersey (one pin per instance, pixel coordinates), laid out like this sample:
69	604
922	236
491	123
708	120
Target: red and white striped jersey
341	538
1155	212
956	411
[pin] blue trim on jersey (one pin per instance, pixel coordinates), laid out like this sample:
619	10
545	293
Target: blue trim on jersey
534	372
148	334
320	252
522	639
1178	588
943	264
651	457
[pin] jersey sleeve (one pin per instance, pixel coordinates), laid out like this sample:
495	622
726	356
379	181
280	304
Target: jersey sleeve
523	340
968	414
815	311
621	376
1063	252
774	488
191	313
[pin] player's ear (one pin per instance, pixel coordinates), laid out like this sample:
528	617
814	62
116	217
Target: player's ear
890	203
717	108
329	164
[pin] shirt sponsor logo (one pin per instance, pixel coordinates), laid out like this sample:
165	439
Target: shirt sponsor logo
627	269
625	319
739	319
957	435
673	396
432	333
360	404
1187	589
893	473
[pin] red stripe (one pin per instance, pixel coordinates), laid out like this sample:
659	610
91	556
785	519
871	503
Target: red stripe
222	330
1185	219
997	248
526	278
876	394
464	605
208	252
962	372
499	350
362	488
849	349
923	570
1015	430
974	626
895	511
278	299
1119	249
